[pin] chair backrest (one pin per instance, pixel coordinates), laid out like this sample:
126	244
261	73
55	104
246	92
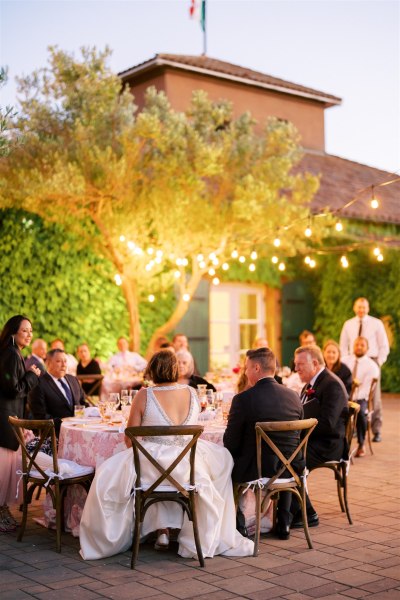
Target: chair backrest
44	430
306	426
354	409
371	394
354	387
135	434
95	380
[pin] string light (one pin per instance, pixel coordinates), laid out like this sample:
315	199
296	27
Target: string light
274	259
177	274
344	261
312	264
131	245
150	251
277	242
212	256
308	231
252	267
379	257
282	266
200	258
215	261
215	281
242	259
118	279
151	298
254	255
307	260
159	253
202	264
211	272
339	226
225	266
235	254
186	297
374	202
158	259
121	238
376	251
185	262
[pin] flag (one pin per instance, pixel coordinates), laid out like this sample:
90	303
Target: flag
197	11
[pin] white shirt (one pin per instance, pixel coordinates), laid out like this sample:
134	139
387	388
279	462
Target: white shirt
60	387
366	371
128	359
373	330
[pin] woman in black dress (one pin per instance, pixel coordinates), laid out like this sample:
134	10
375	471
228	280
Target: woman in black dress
331	352
15	383
88	366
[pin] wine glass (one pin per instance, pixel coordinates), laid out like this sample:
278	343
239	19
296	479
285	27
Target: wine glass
114	399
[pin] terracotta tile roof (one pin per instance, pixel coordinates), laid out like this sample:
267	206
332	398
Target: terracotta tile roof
342	180
219	68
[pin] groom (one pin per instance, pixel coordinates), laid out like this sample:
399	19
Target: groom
266	400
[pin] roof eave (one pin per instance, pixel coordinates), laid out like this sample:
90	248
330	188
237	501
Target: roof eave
157	62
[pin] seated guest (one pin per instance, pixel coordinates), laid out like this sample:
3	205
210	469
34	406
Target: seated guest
180	342
125	358
72	363
107	519
265	400
325	398
331	353
186	371
364	370
306	338
57	393
88	366
260	342
38	356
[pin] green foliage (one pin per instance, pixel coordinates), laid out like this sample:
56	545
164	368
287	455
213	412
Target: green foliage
65	290
335	290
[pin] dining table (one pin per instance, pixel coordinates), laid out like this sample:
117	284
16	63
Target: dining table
89	441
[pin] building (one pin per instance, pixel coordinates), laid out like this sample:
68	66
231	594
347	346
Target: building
227	318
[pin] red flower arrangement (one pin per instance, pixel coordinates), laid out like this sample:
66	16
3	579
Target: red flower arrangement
236	369
310	392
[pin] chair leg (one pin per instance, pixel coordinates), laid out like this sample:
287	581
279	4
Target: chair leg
369	434
304	516
339	483
344	479
258	521
136	532
24	514
58	517
196	530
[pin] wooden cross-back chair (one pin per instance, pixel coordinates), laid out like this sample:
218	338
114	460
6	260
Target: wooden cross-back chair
95	389
165	488
34	476
370	412
341	467
274	485
354	386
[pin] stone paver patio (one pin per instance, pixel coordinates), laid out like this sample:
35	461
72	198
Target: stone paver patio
358	561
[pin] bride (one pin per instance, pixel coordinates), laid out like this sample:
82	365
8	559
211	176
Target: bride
106	527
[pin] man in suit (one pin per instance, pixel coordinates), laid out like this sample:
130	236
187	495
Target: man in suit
266	400
57	393
324	397
373	330
38	356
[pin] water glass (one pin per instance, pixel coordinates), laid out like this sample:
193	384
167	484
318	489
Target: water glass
210	397
79	410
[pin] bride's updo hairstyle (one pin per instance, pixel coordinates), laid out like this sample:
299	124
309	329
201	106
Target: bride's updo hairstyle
162	367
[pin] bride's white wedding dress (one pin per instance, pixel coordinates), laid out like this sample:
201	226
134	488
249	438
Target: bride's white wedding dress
106	527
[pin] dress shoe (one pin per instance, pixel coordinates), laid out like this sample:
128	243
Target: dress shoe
162	542
377	437
283	531
312	521
360	451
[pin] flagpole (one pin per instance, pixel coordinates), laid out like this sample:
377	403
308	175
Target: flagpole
204	22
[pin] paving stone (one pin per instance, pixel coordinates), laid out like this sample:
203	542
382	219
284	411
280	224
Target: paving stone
326	589
352	577
188	589
381	585
298	582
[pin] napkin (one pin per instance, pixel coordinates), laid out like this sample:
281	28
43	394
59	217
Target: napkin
92	411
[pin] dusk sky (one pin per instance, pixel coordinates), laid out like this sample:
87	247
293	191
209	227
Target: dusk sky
347	48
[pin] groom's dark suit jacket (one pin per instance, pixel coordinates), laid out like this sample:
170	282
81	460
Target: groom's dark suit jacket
48	402
267	400
329	404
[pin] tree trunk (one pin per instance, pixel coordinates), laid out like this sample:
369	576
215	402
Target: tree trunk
180	310
130	293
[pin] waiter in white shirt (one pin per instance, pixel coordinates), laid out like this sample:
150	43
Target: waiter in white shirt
371	328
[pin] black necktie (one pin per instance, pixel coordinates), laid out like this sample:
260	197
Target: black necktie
360	328
67	391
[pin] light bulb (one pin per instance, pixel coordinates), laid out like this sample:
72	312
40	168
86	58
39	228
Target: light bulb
186	297
312	263
177	274
274	259
118	279
200	257
225	266
339	226
235	254
185	262
150	251
211	271
159	253
212	256
277	242
379	257
202	264
121	238
374	203
307	260
242	259
151	298
252	267
376	251
308	232
254	255
282	266
215	281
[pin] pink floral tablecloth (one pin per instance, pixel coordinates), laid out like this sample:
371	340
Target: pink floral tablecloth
89	445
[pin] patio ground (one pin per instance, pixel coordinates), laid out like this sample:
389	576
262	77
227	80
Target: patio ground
358	561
